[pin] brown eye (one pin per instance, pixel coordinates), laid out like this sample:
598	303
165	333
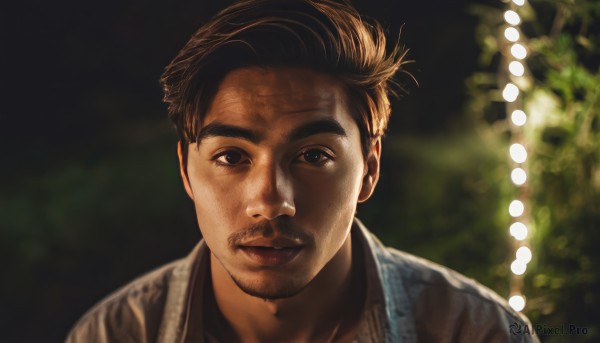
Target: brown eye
313	156
230	158
233	157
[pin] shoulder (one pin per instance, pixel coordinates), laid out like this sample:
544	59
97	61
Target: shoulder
447	306
132	313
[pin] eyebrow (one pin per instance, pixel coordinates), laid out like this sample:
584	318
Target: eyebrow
222	130
325	125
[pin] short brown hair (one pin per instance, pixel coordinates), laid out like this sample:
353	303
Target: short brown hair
324	35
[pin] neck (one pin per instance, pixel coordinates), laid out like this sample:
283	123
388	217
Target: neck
310	316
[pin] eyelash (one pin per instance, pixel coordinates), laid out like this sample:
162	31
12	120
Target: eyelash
328	156
324	154
216	158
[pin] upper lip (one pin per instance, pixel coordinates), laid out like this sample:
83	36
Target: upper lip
272	242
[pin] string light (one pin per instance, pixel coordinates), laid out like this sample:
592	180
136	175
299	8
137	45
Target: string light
510	92
517	302
511	34
516	208
518	267
518	176
518	117
524	254
518	51
515	68
518	153
512	18
518	230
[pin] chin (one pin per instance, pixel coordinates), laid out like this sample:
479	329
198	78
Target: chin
270	288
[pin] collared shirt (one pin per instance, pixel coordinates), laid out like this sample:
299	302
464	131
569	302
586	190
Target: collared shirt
409	299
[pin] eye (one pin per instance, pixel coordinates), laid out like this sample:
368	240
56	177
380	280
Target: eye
230	158
314	156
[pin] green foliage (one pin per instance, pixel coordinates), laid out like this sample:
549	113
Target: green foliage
562	100
72	234
440	197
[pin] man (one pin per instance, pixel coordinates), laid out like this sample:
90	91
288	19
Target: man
280	107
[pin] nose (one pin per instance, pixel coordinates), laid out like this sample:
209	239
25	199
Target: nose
270	193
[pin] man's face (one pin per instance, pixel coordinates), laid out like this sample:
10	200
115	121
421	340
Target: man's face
276	176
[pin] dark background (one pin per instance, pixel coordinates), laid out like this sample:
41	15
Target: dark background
90	195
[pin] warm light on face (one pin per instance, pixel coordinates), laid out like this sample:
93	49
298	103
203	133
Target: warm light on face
518	153
517	302
519	231
518	51
511	34
510	92
518	176
516	208
512	18
518	117
516	68
278	147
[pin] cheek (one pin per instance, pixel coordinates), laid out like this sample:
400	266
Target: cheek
217	203
332	196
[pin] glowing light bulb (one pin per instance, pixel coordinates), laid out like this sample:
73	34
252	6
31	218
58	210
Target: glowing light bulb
519	2
517	302
516	208
518	51
512	17
511	34
524	254
510	92
518	117
516	68
518	230
518	176
518	267
518	153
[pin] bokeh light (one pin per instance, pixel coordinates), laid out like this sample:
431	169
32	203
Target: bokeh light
516	68
518	51
516	208
524	254
519	231
518	267
517	302
511	34
518	176
512	17
510	92
518	117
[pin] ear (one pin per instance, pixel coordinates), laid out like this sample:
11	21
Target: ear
371	174
183	171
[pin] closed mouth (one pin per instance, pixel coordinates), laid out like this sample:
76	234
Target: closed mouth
271	255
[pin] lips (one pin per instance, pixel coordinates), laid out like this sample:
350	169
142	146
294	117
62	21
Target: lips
271	252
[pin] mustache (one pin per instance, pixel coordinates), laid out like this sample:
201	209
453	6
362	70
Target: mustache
270	228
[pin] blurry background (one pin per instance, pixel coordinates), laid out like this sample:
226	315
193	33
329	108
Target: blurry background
90	195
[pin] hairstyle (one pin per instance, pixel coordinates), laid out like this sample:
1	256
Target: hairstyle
323	35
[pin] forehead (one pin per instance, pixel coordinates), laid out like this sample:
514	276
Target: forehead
268	95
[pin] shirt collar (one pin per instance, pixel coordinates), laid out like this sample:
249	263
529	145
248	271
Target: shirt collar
386	315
